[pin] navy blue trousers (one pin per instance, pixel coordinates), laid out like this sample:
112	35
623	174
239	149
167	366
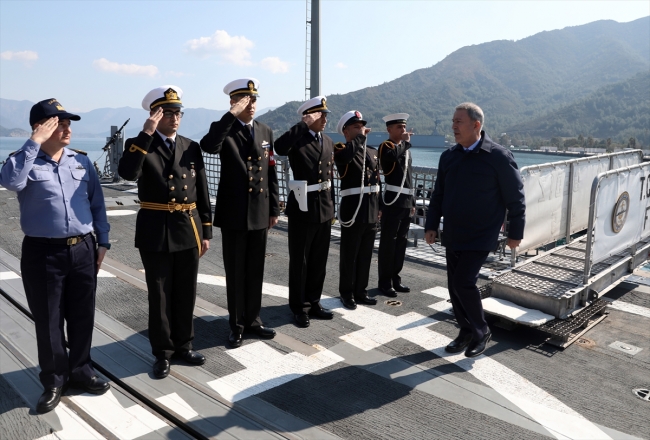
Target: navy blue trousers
395	223
357	243
462	273
60	283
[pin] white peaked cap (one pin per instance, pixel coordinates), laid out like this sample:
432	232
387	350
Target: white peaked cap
164	95
243	86
316	104
351	116
396	118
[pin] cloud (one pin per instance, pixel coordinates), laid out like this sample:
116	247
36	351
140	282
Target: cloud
340	65
25	55
177	74
274	65
125	69
231	49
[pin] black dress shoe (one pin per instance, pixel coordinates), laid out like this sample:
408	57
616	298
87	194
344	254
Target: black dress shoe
235	339
190	356
262	332
302	320
321	313
94	386
460	343
365	299
402	288
388	292
349	303
49	399
161	368
477	347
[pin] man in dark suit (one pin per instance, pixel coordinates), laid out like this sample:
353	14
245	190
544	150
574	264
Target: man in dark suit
398	204
310	216
173	227
477	181
358	211
247	204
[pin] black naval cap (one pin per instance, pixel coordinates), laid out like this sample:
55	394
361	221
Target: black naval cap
48	109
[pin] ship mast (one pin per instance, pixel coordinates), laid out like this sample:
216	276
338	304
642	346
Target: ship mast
312	49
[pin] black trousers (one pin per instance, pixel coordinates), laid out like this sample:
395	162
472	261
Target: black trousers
171	283
462	273
60	283
309	245
243	259
392	245
357	243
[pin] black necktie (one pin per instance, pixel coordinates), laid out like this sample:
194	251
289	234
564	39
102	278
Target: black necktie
317	136
249	130
170	142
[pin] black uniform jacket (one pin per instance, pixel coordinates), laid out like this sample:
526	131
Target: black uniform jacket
313	163
392	158
349	161
166	177
248	185
472	192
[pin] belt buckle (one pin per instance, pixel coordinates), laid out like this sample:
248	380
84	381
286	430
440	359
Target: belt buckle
171	207
72	241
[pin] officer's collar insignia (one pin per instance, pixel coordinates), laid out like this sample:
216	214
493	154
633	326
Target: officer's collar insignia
171	95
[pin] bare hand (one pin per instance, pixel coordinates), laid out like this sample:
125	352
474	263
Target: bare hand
412	212
152	122
430	237
101	253
379	215
272	221
366	131
310	118
42	132
513	243
240	106
407	136
205	245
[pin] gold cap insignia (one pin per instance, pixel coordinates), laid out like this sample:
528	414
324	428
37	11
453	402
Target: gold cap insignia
323	102
251	85
171	95
60	108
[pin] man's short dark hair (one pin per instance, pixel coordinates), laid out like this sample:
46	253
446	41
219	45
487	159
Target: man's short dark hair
473	111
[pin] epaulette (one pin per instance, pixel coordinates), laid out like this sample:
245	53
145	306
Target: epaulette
79	151
389	144
339	146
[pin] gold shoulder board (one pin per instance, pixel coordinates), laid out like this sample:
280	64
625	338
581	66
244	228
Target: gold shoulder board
79	151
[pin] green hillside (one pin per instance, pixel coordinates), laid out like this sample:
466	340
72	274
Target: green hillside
514	82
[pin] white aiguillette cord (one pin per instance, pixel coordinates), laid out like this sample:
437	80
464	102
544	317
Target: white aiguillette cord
350	222
383	194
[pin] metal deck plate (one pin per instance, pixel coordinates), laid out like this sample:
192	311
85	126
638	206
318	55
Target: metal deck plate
527	283
551	273
571	253
561	262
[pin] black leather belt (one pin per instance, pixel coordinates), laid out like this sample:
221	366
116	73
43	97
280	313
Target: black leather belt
69	241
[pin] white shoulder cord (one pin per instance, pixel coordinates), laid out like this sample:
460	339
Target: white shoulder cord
383	194
350	222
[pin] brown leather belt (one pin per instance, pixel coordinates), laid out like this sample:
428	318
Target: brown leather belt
175	207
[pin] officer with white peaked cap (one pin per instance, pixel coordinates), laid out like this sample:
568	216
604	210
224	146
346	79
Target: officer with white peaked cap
358	213
247	204
173	227
398	204
310	155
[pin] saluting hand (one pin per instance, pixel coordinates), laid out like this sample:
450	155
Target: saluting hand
240	106
310	118
152	122
430	237
407	136
42	132
366	130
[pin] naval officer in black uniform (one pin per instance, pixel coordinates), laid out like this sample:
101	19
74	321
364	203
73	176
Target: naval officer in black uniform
310	222
358	213
247	204
398	204
173	227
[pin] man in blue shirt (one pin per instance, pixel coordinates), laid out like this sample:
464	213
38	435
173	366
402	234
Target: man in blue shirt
61	205
477	181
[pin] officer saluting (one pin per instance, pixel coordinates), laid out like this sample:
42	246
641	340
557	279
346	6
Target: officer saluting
247	204
310	208
61	204
173	227
358	212
398	204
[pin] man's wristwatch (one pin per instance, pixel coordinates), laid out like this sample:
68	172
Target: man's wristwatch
106	245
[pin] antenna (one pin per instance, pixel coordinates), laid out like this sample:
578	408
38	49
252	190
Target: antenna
312	49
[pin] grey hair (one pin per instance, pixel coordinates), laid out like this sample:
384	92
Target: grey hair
473	111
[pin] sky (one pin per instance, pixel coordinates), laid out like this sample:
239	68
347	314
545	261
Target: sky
97	54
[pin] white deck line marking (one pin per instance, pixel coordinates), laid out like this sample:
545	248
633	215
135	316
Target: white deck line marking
9	275
440	292
444	307
127	423
267	368
176	403
205	314
104	274
213	280
275	290
73	427
630	308
3	189
119	212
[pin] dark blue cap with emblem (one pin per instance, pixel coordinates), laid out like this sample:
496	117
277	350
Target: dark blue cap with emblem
47	109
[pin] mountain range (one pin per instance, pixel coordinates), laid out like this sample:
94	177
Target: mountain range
522	86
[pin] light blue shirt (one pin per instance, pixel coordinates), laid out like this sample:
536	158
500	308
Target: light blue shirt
471	147
57	200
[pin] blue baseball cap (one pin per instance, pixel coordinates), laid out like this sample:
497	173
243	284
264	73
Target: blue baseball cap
47	109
